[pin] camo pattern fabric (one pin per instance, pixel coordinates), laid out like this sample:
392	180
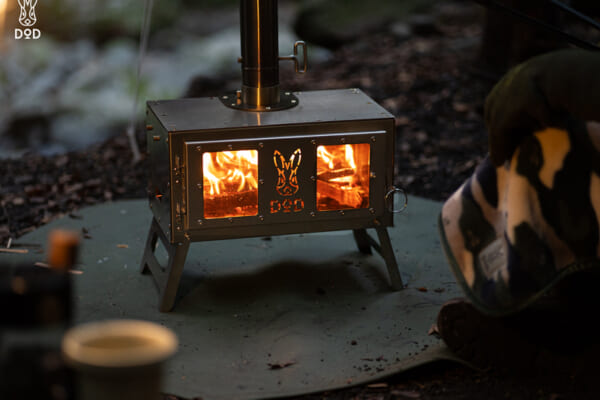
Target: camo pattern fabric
512	232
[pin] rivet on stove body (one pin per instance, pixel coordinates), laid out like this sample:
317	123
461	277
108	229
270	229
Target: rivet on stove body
373	139
343	140
372	210
313	178
342	212
314	142
376	222
230	146
312	214
199	185
199	222
372	175
261	145
230	220
261	181
198	148
262	218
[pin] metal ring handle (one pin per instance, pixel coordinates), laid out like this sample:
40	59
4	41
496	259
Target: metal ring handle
390	195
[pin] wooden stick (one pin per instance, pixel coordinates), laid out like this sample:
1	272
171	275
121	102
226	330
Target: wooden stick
44	265
14	251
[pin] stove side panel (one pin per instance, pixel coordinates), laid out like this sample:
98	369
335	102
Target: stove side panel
159	184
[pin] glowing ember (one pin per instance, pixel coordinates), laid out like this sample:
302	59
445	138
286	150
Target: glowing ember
230	183
343	176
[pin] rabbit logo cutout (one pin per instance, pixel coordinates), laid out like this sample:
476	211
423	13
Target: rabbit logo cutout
287	181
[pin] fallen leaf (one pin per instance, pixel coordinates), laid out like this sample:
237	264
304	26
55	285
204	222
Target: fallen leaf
406	394
377	385
422	289
280	365
123	246
460	107
433	330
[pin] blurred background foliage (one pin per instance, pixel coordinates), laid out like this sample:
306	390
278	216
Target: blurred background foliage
76	84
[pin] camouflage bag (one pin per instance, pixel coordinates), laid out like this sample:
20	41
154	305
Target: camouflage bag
512	232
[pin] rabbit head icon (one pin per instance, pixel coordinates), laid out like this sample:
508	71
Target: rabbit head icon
287	181
27	12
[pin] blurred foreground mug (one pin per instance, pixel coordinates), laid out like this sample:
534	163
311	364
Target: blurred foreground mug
118	359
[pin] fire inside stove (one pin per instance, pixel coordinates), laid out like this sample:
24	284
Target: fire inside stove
230	183
343	177
230	179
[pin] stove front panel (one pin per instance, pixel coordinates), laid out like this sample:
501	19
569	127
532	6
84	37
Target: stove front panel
291	183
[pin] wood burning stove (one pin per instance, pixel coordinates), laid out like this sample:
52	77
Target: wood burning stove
260	162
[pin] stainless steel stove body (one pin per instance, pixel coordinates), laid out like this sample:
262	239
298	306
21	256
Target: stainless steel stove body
264	162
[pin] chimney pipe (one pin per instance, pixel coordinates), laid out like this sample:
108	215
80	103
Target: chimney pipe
260	60
260	52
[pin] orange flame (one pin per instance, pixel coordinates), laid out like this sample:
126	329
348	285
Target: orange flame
227	169
342	176
227	173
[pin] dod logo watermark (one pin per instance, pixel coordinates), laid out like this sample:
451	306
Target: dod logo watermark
27	19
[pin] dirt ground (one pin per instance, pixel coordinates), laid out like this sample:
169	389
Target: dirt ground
430	81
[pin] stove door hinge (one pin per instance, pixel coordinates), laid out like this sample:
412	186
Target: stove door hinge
179	178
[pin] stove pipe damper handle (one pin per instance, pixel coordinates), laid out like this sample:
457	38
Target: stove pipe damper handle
260	59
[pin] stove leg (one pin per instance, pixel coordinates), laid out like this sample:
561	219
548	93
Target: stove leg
365	242
166	278
361	237
387	252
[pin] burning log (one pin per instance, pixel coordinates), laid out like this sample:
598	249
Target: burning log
329	175
346	198
236	204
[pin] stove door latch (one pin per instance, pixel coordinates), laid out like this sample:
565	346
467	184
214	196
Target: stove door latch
389	200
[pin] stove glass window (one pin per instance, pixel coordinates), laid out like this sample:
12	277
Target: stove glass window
230	183
343	176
